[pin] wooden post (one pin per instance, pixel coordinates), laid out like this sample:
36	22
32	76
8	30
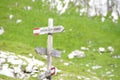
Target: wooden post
49	51
49	46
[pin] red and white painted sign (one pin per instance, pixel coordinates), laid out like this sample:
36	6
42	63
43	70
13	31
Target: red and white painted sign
53	71
46	30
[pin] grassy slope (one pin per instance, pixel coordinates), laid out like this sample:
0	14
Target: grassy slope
20	39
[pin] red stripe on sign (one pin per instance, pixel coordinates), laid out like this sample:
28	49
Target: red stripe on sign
36	28
36	31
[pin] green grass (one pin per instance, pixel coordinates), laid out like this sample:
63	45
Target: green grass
19	38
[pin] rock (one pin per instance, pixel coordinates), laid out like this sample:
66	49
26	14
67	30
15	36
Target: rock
6	70
66	64
116	56
17	68
2	60
33	0
11	16
43	69
110	49
30	55
79	77
3	55
28	8
115	15
87	65
84	48
87	79
103	19
29	68
71	56
96	67
76	53
108	72
79	54
17	71
35	75
101	50
13	61
90	7
18	21
1	30
38	62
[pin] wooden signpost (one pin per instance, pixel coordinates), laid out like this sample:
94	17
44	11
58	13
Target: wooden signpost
49	51
43	51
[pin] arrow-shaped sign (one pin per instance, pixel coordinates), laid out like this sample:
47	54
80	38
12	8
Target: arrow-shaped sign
46	30
43	51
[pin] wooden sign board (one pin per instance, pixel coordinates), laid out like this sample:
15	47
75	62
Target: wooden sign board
43	51
46	30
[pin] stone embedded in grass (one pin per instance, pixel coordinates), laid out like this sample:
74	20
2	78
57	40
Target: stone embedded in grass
79	54
30	55
84	48
96	67
101	49
28	8
110	49
76	53
103	19
1	30
66	64
116	56
71	56
108	72
79	77
61	60
18	21
87	65
11	16
87	79
33	0
88	70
